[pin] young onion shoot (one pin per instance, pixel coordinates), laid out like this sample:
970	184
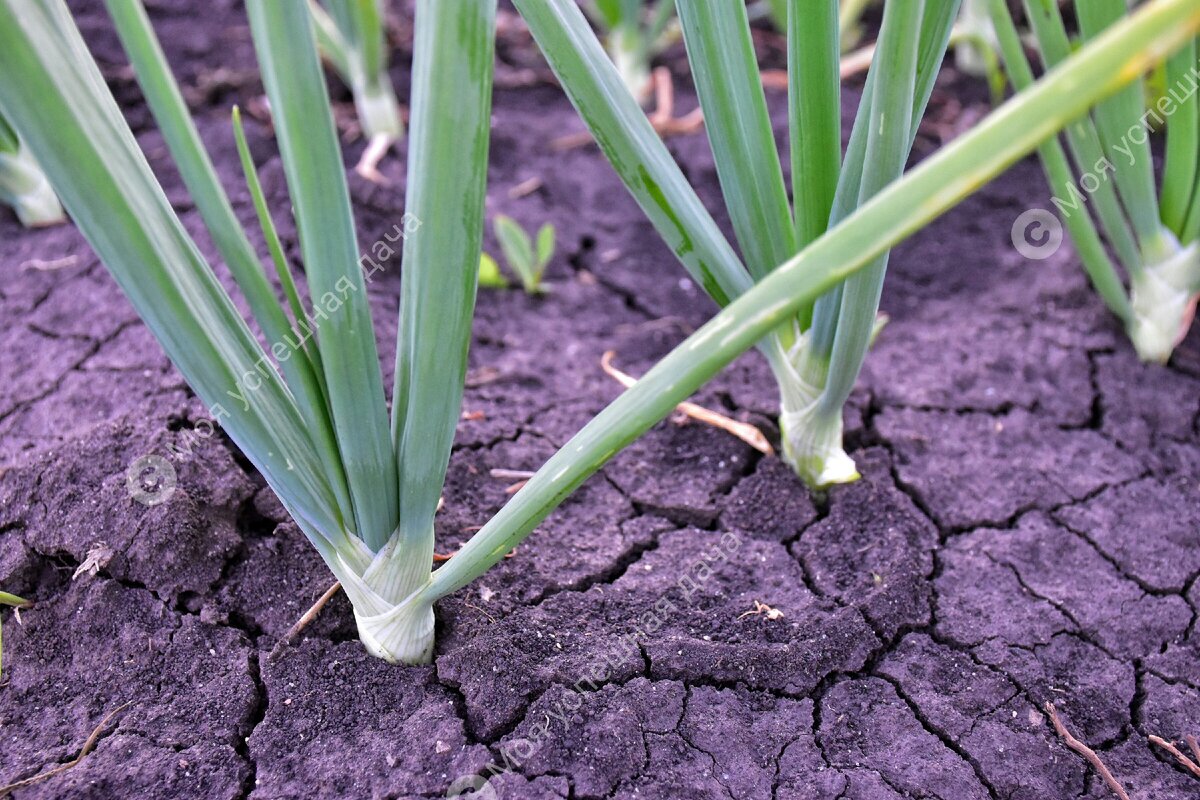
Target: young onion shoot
976	48
351	37
634	33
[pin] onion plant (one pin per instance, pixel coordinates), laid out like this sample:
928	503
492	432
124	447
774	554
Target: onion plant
1154	236
634	33
352	39
817	355
23	185
309	411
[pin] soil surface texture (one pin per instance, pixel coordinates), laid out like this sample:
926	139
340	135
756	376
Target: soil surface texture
1025	531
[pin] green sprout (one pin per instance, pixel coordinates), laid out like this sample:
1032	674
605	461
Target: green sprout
1154	236
23	185
12	601
490	276
527	258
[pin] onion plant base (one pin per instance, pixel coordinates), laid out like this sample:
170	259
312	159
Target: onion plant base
378	111
1163	298
24	187
403	635
812	446
631	64
811	431
393	623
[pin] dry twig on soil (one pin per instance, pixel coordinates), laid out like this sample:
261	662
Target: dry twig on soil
662	118
88	746
1082	749
742	430
763	609
305	620
1187	763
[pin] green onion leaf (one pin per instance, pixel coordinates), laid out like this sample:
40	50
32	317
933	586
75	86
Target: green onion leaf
447	171
936	25
1096	262
814	115
725	68
1118	120
1182	166
196	168
1054	44
313	166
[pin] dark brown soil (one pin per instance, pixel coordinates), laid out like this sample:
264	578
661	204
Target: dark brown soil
1025	531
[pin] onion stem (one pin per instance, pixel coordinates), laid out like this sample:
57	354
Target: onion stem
1163	298
378	109
24	186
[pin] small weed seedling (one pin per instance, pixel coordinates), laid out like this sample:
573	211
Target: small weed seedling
525	256
490	276
14	602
